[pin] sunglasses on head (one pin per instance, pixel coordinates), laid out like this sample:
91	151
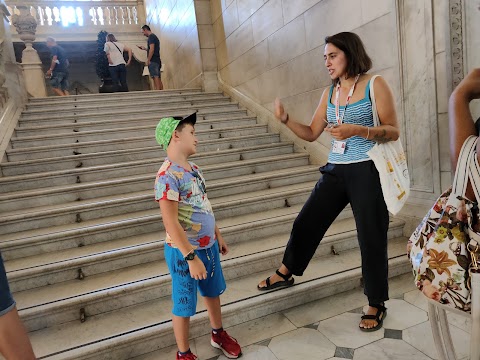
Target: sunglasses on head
200	181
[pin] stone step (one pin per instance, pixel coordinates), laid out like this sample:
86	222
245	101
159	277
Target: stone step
19	244
148	120
15	168
26	200
205	114
146	327
124	204
60	266
125	146
126	113
130	108
113	103
125	133
136	168
60	303
51	100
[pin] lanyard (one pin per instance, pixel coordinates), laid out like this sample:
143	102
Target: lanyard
337	101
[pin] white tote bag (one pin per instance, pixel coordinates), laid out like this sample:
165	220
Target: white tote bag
391	163
146	72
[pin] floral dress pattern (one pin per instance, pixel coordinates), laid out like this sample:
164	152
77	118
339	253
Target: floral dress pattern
438	252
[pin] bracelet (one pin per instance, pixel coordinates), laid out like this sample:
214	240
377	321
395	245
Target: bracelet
368	132
284	121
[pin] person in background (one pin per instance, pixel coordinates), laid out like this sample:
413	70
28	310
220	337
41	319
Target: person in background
14	342
116	62
153	56
58	71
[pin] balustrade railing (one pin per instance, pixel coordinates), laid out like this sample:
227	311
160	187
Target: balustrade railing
81	13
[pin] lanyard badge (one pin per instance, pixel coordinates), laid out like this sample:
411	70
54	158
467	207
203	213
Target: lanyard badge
337	101
339	147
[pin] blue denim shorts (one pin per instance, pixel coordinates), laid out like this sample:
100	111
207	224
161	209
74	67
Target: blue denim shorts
6	300
59	80
154	69
184	287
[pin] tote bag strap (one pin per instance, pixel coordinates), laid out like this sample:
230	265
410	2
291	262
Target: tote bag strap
474	173
376	120
462	172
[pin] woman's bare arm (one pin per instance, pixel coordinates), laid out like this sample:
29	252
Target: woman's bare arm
306	132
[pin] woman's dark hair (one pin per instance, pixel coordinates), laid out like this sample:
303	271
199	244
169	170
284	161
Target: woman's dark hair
358	61
111	38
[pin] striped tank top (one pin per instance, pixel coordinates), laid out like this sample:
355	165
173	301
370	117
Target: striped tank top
359	113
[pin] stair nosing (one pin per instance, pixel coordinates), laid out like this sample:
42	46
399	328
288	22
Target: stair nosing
99	168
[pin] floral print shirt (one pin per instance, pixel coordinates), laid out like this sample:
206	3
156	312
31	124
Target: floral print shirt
195	212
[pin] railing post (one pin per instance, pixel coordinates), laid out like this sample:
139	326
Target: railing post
141	17
26	26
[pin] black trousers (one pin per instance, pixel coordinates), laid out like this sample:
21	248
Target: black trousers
119	74
359	185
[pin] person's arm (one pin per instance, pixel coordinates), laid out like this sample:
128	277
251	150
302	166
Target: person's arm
106	48
52	65
150	53
129	51
306	132
222	245
169	210
461	124
387	131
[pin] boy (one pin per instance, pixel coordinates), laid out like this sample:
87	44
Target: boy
193	241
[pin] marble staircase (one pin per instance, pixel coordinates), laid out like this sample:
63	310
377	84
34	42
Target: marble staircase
82	237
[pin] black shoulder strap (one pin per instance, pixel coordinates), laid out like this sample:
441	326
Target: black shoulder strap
121	52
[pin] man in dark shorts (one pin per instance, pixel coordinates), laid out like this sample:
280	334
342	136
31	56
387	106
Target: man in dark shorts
153	56
58	71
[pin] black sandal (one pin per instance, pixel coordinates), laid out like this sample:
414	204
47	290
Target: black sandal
287	281
378	317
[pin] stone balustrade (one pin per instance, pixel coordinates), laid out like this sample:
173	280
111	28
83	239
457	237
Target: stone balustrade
81	20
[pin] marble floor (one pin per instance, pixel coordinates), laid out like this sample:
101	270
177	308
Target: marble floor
328	329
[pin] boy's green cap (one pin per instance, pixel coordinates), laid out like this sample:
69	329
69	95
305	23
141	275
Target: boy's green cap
166	127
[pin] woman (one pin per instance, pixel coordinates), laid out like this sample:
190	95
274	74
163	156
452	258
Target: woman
345	111
14	343
460	118
117	65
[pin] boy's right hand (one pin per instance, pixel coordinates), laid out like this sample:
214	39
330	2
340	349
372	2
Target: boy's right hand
197	269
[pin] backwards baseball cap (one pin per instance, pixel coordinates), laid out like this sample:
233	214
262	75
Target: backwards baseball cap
166	127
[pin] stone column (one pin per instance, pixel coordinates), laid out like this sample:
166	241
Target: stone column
26	26
207	45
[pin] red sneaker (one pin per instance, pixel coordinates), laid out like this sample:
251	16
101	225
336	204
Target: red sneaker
189	356
230	347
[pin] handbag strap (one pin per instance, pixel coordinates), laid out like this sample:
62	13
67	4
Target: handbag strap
462	172
376	120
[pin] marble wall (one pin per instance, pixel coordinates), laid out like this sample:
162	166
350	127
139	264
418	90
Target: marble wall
174	22
274	48
12	86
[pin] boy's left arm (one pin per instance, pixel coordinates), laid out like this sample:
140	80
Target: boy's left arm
222	245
